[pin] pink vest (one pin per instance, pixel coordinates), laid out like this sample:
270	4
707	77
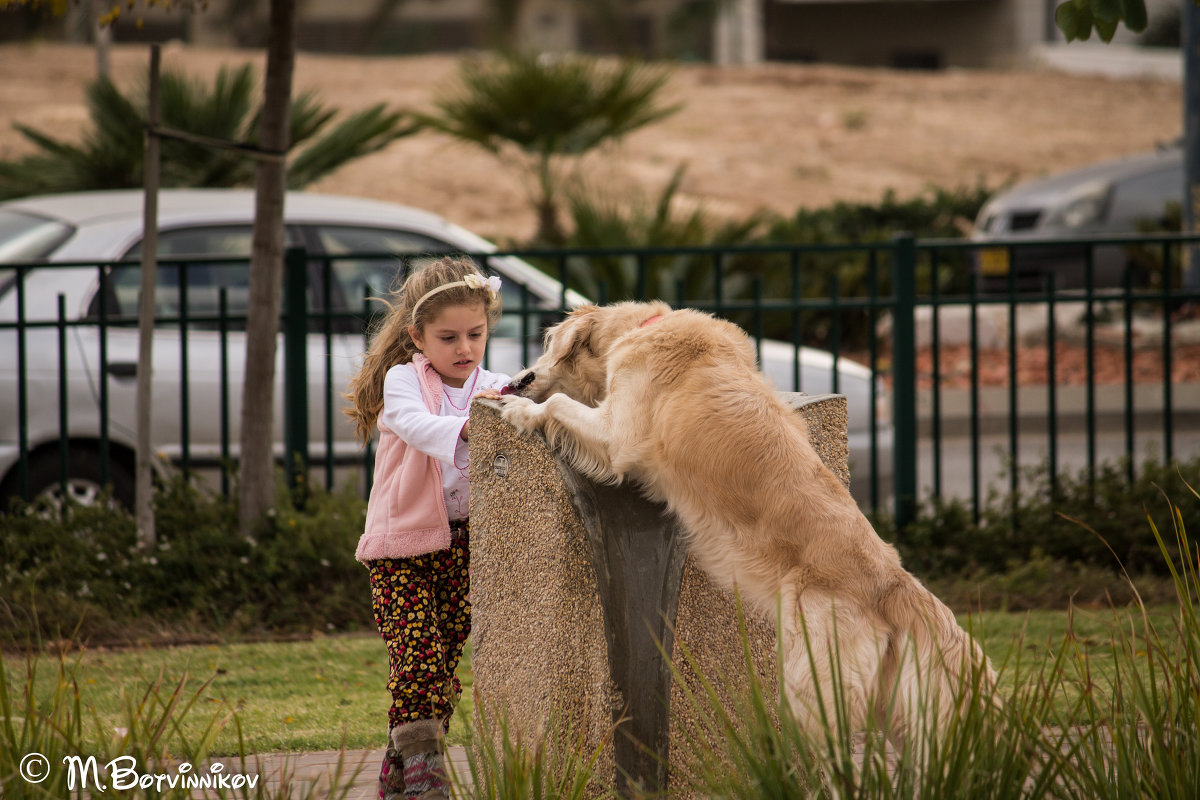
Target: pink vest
406	513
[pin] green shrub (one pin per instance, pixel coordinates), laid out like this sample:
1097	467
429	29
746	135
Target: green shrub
1095	521
690	278
601	220
77	571
857	273
1041	582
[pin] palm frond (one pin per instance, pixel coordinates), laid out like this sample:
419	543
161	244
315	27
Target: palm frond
361	133
110	152
549	106
220	112
308	117
53	147
117	125
33	174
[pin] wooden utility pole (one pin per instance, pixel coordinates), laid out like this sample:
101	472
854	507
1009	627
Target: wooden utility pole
144	473
1191	140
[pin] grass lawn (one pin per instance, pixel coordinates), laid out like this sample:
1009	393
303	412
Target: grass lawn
289	696
323	693
1020	644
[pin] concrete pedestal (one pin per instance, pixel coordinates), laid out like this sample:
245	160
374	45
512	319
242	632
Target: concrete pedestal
575	586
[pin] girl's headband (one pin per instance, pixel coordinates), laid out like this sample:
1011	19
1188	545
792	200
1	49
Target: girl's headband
472	280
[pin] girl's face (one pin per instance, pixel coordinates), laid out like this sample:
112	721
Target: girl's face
453	341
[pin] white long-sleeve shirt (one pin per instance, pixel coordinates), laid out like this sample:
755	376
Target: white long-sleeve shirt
437	435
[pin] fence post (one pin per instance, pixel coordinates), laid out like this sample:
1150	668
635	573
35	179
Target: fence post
904	377
295	369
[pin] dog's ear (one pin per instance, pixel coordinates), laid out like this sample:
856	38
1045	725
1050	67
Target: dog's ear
580	311
579	327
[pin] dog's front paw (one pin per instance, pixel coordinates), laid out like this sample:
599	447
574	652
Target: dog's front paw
522	413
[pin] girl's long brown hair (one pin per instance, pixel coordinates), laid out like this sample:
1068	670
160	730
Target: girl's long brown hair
391	343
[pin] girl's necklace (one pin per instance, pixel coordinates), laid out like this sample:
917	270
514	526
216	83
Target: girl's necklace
470	392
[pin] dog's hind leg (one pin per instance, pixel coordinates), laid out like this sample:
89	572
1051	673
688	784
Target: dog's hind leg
831	661
580	432
934	668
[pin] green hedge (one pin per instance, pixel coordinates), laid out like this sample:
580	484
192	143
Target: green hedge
638	223
1100	522
78	572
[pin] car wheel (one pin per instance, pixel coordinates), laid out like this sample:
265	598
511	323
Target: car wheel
84	482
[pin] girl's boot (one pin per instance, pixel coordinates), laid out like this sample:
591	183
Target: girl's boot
391	773
420	746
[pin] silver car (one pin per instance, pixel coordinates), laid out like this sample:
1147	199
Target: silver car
85	232
1106	199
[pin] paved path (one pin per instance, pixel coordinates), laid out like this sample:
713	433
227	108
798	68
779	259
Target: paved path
360	770
303	770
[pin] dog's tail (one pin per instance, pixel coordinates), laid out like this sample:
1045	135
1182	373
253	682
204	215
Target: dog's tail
934	667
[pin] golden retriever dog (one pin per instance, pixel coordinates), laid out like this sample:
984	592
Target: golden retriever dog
674	401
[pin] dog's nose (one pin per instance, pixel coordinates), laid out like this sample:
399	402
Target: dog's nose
515	386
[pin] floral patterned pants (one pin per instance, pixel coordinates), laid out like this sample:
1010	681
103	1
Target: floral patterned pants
424	616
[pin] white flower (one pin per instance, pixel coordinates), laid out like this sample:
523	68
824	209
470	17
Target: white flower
473	280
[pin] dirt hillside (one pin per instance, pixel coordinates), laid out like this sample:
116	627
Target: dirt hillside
776	136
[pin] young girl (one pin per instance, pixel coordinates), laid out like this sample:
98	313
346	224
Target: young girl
416	384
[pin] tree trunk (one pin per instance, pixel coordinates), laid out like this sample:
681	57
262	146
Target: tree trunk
257	471
102	34
550	229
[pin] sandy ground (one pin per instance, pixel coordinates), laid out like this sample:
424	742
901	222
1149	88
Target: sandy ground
776	136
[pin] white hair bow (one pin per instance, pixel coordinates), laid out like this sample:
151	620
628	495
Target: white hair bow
474	280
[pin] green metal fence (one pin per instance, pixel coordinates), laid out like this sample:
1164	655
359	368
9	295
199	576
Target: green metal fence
797	302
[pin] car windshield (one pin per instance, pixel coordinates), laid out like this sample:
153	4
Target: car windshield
25	237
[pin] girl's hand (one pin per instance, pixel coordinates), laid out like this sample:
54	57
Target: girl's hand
489	394
463	433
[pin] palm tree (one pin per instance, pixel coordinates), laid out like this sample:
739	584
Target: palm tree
110	153
545	111
632	222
